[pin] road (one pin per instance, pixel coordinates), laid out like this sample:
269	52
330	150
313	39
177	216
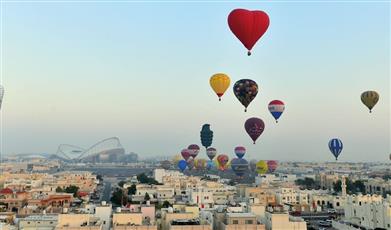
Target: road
106	192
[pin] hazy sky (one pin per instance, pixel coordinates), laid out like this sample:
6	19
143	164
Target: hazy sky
77	73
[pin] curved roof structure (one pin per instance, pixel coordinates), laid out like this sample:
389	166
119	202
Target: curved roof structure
106	146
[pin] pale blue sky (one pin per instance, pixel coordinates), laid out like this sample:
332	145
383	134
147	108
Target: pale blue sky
76	73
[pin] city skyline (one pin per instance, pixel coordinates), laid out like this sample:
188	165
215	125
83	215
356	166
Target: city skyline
80	72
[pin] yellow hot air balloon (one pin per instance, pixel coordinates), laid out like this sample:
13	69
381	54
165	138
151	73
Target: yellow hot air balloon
370	98
219	83
261	167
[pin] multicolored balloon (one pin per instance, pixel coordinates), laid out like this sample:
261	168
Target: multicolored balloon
222	161
210	165
185	154
276	108
261	167
245	91
335	146
190	163
1	94
182	164
240	151
194	150
272	165
211	153
200	164
248	26
370	99
254	127
206	136
253	165
219	83
239	166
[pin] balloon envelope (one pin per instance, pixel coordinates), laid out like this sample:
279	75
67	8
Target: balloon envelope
239	166
335	146
182	165
222	160
240	151
272	165
219	83
210	165
206	136
190	163
248	26
253	165
254	127
245	91
370	99
194	150
185	154
200	164
261	167
276	108
211	152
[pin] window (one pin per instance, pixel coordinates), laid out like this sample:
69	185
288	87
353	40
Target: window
235	222
249	221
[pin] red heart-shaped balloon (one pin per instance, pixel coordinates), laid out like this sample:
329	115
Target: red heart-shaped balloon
248	26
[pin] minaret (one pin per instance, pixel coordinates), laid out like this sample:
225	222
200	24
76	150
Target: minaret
343	186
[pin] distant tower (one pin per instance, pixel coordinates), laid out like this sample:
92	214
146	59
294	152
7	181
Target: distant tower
343	186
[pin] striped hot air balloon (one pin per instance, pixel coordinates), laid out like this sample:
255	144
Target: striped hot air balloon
276	108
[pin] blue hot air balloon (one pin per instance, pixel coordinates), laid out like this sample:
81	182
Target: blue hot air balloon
239	166
210	165
182	165
335	146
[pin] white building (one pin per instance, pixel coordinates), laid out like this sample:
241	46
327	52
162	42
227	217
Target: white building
292	196
367	211
104	212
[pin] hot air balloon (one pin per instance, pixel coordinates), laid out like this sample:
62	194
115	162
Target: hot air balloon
200	164
245	91
272	165
239	166
194	150
206	136
261	167
240	151
185	154
165	164
253	165
219	83
211	152
222	161
182	165
370	99
390	156
190	163
176	159
1	94
254	127
335	146
248	26
276	108
210	165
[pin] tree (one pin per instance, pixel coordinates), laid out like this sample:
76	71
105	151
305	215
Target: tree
132	190
59	189
144	179
121	183
307	183
118	197
351	187
166	204
72	189
146	197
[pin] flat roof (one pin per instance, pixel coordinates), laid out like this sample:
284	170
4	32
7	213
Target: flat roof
40	218
240	214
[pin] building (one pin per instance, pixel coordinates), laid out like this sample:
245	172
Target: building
104	212
38	222
241	221
368	211
280	220
377	186
78	222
